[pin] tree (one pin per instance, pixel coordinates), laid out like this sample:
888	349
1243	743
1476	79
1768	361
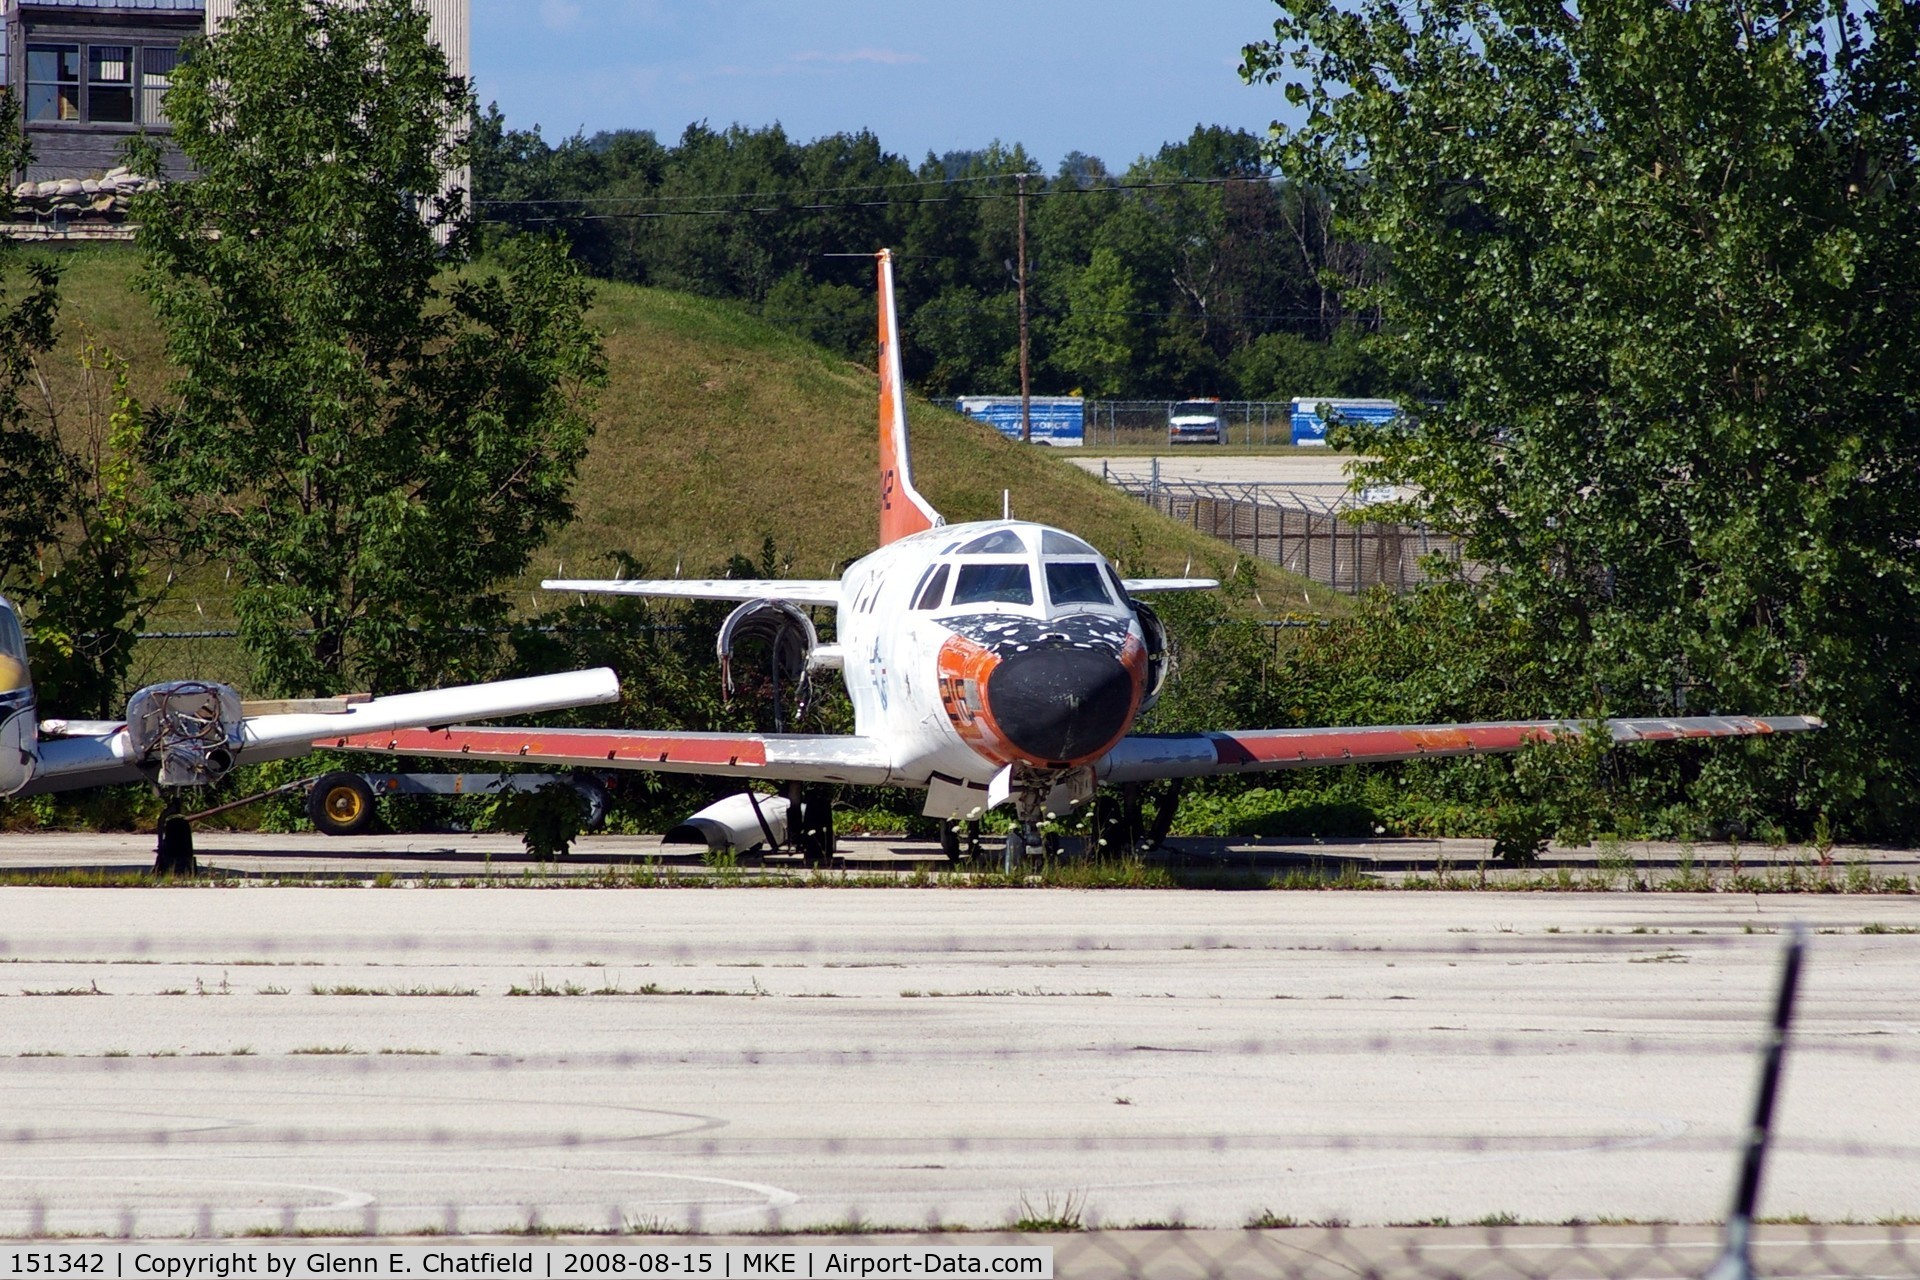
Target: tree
27	455
91	594
1656	262
1101	340
375	443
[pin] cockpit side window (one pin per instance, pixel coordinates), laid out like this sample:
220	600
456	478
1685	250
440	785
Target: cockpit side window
934	591
1001	542
1075	582
993	584
1119	587
13	652
1055	543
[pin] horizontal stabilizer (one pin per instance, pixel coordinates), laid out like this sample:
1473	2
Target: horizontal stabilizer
795	757
824	591
1142	586
1145	756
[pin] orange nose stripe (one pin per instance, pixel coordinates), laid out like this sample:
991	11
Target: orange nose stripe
966	667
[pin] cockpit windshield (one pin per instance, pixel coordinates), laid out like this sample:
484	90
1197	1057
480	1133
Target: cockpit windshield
1075	582
993	583
13	651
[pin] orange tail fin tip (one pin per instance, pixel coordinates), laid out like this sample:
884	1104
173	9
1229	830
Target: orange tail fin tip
902	510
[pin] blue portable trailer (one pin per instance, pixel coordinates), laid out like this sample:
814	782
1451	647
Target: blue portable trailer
1313	414
1057	420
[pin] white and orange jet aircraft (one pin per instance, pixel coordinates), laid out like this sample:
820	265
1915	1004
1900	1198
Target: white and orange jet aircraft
192	733
990	661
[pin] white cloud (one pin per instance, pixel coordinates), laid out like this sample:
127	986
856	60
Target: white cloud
885	57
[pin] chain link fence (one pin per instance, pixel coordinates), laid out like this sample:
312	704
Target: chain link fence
157	1138
1144	422
1306	528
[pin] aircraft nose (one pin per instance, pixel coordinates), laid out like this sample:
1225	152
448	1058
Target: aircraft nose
1060	702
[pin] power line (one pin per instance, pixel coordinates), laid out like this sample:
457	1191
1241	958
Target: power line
828	205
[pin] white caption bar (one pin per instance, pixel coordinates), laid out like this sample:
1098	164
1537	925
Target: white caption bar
241	1260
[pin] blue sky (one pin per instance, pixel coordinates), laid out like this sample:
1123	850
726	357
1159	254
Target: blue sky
1114	79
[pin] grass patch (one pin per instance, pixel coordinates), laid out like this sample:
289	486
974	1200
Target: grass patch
707	403
1052	1214
325	1050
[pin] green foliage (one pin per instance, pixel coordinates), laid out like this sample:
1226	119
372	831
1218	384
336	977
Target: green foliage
1101	338
27	454
373	451
91	594
1647	257
1148	282
548	818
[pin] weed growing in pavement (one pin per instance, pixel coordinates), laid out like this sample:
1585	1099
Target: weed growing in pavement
541	987
1053	1213
1268	1220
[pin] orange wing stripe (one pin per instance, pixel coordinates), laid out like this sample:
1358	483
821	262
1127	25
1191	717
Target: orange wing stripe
1344	744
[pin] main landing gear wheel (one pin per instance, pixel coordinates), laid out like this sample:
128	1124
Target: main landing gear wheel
174	854
960	841
810	822
341	804
594	801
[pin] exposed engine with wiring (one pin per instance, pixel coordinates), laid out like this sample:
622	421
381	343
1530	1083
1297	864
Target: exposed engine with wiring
185	733
766	650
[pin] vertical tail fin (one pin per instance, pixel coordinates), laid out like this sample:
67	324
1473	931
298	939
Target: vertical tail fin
902	510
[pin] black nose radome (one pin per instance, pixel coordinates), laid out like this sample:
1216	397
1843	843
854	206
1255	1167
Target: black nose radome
1060	702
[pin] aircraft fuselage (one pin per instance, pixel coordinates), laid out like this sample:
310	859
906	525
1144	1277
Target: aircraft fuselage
973	647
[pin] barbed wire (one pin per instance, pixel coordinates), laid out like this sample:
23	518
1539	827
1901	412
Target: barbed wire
1083	1246
1550	1044
253	948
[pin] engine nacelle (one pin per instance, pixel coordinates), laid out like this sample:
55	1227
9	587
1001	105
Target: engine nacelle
185	733
19	745
1159	652
737	822
781	672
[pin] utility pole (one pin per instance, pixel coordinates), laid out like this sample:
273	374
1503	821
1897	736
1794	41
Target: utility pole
1026	385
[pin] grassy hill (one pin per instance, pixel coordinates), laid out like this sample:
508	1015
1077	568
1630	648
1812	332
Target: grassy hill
717	431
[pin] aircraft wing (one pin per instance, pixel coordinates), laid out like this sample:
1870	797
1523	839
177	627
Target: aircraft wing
792	757
96	754
797	590
1140	586
1146	756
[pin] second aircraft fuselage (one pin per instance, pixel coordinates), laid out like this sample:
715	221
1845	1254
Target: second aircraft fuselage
976	646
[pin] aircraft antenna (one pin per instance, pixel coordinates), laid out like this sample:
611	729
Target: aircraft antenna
1006	504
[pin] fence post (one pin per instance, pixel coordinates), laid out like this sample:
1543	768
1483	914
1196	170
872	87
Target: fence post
1736	1260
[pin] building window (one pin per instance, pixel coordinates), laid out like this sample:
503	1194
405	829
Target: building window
157	62
125	84
53	82
110	83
